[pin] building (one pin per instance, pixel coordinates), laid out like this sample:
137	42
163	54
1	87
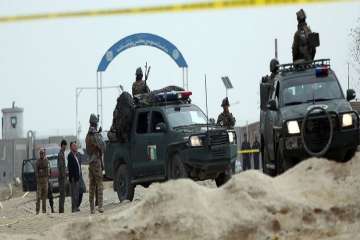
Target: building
15	147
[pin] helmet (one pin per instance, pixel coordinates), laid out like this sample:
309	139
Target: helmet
301	15
139	71
274	65
93	119
225	102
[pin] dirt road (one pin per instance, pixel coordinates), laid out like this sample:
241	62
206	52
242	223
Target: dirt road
318	199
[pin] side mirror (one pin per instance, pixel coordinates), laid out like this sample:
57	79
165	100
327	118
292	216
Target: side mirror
160	127
212	121
272	105
350	94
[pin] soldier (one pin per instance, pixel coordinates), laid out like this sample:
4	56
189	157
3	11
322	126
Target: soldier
42	177
50	194
226	119
246	156
95	148
62	175
256	146
139	86
301	48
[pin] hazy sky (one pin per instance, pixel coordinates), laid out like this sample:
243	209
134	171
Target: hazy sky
42	62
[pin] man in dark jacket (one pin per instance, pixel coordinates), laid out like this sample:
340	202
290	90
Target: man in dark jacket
256	146
246	156
62	175
74	169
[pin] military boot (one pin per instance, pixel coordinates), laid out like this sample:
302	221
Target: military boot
92	207
101	209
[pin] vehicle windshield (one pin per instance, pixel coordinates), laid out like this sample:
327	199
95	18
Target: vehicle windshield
186	116
310	89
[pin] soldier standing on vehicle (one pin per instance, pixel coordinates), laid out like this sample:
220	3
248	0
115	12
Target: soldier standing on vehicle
62	175
42	178
139	86
226	119
301	48
256	146
95	148
245	146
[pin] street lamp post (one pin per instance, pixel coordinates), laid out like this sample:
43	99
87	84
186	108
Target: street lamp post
227	83
78	91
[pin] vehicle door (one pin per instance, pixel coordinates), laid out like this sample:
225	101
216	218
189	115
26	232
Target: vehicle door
156	148
141	166
28	175
271	123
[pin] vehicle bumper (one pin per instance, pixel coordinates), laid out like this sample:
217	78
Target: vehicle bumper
210	160
342	142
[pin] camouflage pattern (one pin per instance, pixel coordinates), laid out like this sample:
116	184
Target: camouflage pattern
226	119
122	118
61	178
301	49
95	148
42	177
139	87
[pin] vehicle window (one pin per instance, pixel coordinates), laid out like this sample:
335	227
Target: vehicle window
310	90
156	118
186	117
28	167
53	163
142	123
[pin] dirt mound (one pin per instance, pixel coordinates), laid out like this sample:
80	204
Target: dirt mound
318	199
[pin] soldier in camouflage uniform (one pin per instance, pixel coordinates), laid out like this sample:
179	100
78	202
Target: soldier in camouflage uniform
301	48
95	148
42	177
226	119
139	86
62	175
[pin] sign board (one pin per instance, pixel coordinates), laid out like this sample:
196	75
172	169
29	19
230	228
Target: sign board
227	82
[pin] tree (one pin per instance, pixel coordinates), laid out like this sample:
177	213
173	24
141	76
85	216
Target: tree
355	48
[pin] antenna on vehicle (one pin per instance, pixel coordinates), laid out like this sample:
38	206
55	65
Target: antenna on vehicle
206	102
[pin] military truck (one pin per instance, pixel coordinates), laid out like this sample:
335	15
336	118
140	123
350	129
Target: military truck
169	139
304	113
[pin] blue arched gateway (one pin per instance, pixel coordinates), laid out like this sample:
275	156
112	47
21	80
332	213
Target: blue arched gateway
139	39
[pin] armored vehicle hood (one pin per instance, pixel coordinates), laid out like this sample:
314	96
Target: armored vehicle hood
299	111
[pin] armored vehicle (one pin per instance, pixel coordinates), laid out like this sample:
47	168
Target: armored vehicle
304	113
169	139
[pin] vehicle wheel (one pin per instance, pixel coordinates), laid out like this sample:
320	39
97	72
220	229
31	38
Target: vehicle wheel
349	154
177	168
125	190
282	164
222	178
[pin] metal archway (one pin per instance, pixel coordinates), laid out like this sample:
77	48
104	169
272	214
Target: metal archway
138	39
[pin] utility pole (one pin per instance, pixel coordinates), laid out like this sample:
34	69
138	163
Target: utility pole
276	48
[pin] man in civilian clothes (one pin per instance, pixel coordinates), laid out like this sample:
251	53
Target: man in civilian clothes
74	169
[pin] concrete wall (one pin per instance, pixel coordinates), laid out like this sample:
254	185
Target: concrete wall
12	154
